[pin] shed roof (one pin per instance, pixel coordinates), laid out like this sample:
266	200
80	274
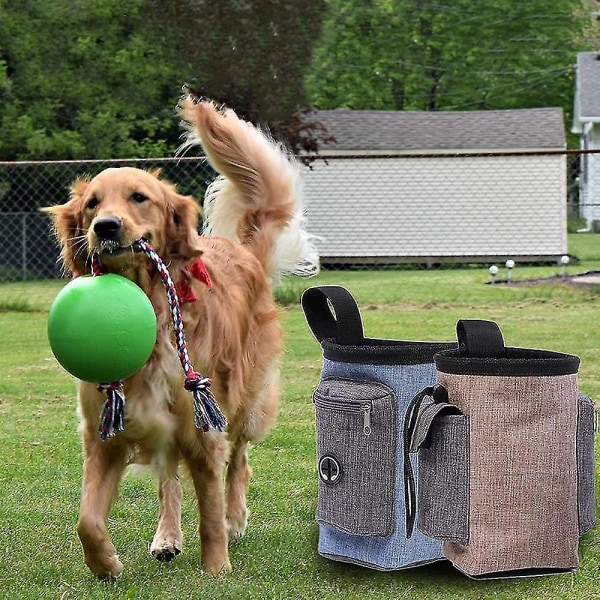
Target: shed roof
587	90
402	131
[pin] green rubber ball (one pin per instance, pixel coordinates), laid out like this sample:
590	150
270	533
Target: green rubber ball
101	328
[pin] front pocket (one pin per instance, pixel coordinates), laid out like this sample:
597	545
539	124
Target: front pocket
586	501
443	488
357	436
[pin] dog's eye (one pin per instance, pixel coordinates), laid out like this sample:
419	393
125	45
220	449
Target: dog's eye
92	203
139	197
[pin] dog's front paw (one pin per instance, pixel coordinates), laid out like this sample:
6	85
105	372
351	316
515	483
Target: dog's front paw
108	569
216	568
215	560
165	550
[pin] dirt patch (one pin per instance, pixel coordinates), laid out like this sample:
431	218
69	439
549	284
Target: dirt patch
589	278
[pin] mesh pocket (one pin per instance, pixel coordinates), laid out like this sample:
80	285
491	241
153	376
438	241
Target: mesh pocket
443	492
586	416
357	431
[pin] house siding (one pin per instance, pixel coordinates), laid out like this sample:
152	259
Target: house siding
407	208
589	182
586	123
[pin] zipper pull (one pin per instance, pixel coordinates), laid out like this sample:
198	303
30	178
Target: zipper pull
366	408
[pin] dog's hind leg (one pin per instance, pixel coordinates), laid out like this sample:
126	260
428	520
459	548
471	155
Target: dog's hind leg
239	472
237	482
103	467
168	539
207	469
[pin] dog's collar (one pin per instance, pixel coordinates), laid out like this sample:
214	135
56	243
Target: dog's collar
185	293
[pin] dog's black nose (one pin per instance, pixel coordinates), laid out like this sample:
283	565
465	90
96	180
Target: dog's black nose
107	228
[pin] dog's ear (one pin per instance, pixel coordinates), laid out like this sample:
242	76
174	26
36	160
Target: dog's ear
68	229
182	227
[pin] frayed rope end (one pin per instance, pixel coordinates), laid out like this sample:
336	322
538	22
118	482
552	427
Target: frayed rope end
113	413
207	414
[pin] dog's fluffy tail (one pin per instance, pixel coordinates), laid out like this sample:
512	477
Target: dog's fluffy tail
257	198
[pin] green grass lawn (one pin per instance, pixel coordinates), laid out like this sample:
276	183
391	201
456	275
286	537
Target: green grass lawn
40	455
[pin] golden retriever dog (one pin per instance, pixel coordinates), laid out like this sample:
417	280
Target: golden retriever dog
253	234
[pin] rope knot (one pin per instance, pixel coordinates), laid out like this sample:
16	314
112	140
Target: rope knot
195	381
113	386
207	414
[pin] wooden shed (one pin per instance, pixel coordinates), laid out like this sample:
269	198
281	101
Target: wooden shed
431	187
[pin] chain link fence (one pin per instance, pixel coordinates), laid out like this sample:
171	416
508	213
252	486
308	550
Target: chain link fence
367	210
27	248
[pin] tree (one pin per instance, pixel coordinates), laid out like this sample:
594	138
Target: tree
456	55
250	55
101	79
83	80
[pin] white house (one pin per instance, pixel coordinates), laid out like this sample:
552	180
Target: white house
586	122
439	186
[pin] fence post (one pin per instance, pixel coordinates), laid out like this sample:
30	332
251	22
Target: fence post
24	246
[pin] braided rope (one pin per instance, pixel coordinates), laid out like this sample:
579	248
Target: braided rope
207	414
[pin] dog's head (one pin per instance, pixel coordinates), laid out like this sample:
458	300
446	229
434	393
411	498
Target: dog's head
108	213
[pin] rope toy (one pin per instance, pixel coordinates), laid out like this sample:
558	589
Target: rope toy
207	414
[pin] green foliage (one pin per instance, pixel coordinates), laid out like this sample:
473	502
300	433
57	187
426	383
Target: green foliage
101	79
87	80
457	55
574	224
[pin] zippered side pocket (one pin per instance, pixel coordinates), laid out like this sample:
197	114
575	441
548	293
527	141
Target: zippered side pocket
357	433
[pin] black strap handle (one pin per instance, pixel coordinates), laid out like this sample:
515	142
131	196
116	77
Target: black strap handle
479	339
331	312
